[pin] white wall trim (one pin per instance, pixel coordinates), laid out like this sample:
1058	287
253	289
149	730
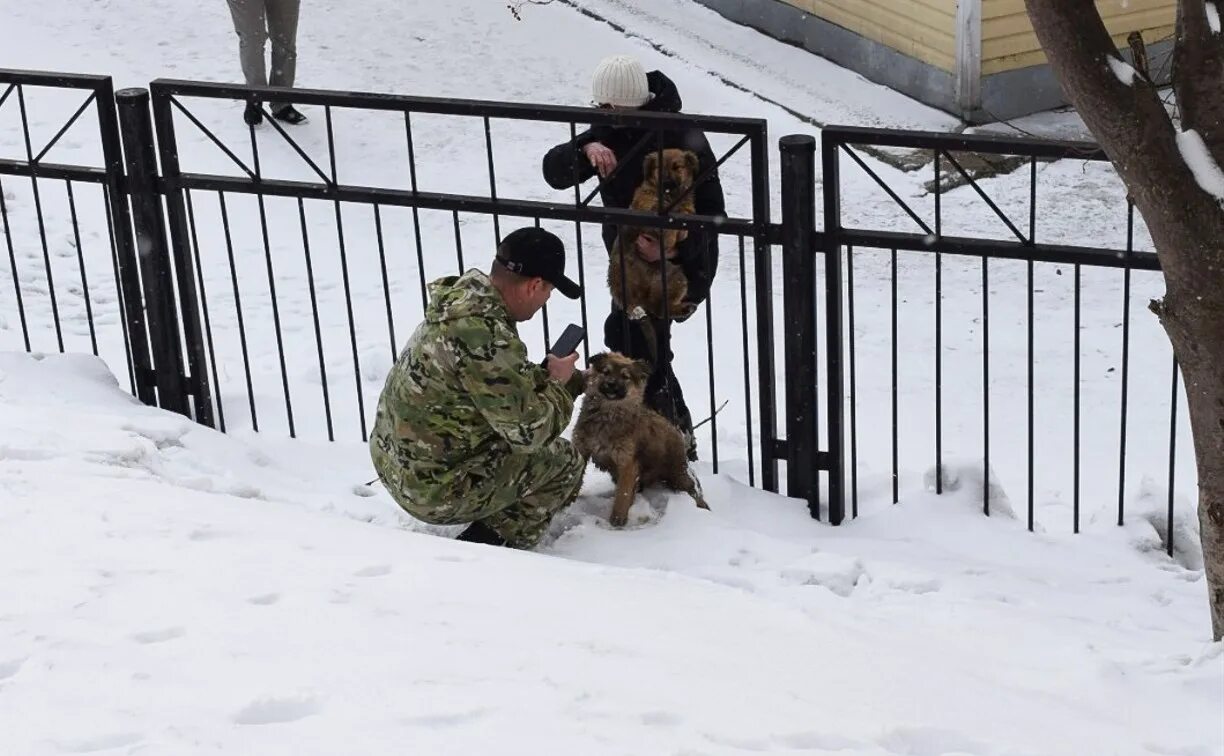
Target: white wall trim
968	75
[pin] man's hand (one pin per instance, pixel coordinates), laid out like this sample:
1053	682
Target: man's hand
561	368
602	158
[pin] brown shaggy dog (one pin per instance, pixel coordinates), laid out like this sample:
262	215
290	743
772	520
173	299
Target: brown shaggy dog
634	282
628	439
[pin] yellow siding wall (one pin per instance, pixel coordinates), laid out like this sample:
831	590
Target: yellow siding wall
1008	40
922	29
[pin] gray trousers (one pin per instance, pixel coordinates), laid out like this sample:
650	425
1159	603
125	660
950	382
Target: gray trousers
256	21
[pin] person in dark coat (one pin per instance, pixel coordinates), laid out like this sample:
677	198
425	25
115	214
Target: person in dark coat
620	82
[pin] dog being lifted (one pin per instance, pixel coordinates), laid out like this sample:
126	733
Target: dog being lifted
637	285
627	439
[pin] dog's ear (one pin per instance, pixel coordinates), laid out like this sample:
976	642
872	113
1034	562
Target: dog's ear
597	361
690	159
642	370
650	167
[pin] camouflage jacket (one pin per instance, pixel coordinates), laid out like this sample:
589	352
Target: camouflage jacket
463	399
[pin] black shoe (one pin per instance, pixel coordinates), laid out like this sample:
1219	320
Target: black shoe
478	532
289	114
253	115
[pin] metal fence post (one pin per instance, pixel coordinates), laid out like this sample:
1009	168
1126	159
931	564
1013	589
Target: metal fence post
155	270
126	265
763	271
180	248
830	243
799	297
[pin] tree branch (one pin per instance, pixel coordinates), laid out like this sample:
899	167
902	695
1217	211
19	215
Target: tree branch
1128	120
1198	73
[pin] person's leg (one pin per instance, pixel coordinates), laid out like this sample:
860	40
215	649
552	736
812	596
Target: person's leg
282	29
548	484
663	392
251	26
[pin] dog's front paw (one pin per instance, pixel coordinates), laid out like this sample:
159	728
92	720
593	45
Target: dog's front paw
618	519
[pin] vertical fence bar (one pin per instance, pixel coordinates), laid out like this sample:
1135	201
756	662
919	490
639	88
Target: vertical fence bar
38	213
492	179
76	234
896	429
853	385
939	333
582	303
1172	459
127	271
835	378
799	301
458	241
1031	371
188	305
154	254
709	313
830	164
416	213
212	352
242	339
314	310
743	278
986	386
267	245
763	273
386	284
114	250
1126	288
8	238
344	272
938	373
1075	462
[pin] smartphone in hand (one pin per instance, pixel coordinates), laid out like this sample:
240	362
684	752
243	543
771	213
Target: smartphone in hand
567	343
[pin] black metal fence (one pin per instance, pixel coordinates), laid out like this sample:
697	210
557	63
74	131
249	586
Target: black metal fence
1010	265
76	212
225	278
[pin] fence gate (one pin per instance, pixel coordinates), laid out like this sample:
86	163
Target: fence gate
39	233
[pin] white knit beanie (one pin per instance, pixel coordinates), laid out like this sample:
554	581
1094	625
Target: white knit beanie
621	81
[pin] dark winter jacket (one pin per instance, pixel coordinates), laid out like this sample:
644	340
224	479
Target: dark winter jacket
565	165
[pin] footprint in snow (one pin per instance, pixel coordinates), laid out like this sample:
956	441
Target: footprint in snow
931	741
159	636
661	719
276	710
266	599
454	719
10	668
376	570
101	743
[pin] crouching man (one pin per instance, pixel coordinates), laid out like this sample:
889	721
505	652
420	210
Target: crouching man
468	429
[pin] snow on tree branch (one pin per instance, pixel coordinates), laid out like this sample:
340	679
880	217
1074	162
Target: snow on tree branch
1205	169
1123	70
1213	17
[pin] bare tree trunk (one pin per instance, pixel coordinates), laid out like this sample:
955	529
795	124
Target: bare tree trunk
1186	222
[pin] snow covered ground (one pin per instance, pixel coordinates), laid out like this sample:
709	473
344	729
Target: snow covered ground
173	590
173	606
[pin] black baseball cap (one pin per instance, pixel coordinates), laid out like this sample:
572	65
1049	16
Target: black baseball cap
535	252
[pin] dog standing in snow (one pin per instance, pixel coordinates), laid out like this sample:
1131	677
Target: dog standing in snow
627	439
